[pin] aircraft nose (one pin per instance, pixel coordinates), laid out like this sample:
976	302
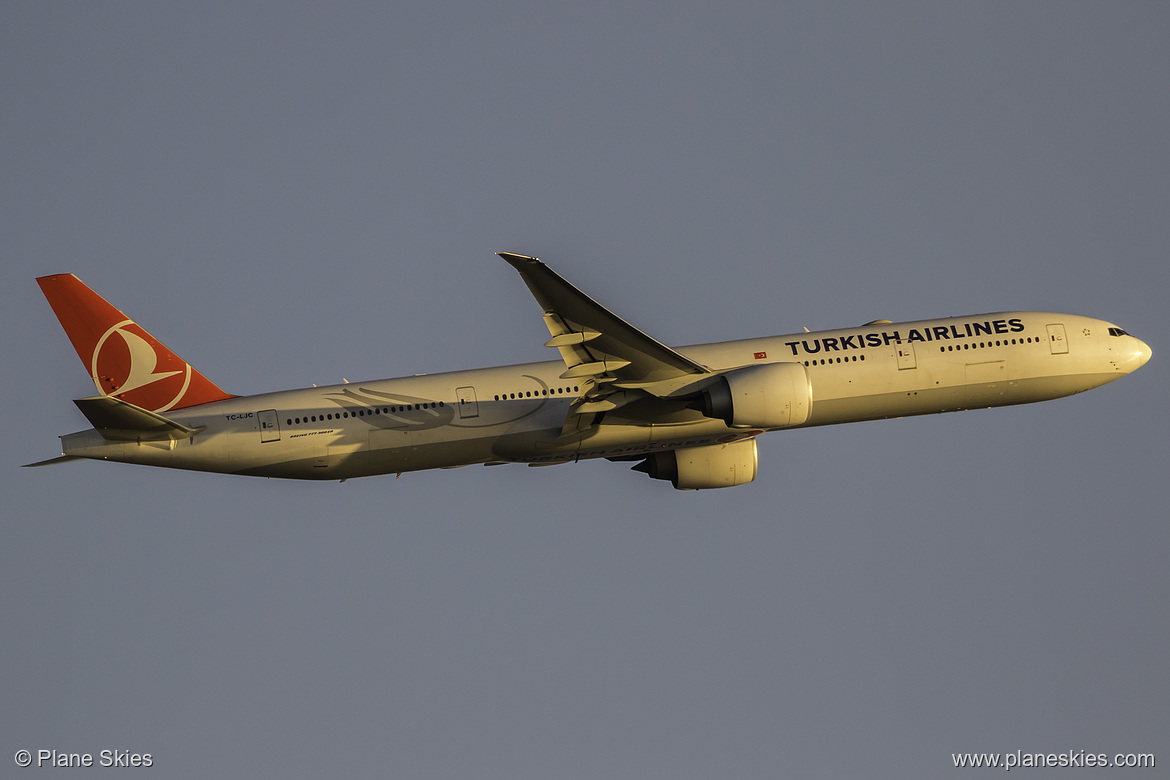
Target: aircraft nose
1133	354
1143	353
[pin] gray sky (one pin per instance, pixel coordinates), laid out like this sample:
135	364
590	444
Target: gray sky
289	194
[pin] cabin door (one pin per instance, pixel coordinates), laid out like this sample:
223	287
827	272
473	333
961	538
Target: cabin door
1056	340
269	425
468	407
906	356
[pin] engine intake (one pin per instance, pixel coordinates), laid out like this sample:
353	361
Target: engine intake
773	395
700	468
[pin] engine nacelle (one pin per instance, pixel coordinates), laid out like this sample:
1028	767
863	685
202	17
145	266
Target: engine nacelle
699	468
772	395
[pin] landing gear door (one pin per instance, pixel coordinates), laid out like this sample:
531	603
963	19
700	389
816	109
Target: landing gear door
468	407
1056	340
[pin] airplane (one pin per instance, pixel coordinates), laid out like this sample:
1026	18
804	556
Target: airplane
689	415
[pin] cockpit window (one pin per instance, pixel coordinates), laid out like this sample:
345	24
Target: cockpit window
1117	332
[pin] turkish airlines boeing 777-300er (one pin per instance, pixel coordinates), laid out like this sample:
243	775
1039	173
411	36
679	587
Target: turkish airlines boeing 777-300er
689	415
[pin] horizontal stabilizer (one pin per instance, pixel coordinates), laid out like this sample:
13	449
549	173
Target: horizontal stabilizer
52	461
119	420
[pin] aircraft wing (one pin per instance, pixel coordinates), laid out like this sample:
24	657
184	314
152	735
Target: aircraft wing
617	362
593	340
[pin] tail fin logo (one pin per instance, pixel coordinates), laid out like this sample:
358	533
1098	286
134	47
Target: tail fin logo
121	366
121	357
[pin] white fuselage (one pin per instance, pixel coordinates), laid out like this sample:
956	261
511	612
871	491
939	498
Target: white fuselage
516	413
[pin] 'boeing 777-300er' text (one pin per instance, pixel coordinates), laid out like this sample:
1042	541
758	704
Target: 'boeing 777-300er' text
689	415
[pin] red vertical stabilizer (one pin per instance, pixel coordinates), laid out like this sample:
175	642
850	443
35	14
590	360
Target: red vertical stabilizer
123	359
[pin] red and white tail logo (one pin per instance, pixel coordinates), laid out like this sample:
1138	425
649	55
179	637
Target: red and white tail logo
124	360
